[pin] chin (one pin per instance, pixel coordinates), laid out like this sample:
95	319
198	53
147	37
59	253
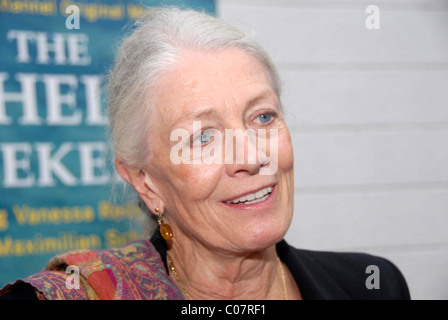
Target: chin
265	237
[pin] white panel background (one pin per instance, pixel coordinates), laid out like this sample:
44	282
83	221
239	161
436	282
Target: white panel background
368	114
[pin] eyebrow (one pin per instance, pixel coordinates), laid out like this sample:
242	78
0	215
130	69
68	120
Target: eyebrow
208	112
262	95
195	115
200	114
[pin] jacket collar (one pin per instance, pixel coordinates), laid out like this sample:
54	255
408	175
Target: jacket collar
314	282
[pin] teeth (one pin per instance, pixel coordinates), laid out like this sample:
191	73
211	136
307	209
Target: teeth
258	200
250	197
258	196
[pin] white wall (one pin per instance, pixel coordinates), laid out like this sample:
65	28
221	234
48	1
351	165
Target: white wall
368	114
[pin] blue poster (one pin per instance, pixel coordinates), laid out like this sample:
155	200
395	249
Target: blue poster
56	176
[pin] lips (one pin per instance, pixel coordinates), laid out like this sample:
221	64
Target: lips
254	197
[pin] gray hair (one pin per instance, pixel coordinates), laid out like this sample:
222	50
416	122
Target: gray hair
149	51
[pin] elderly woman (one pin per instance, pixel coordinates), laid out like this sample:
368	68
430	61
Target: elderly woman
183	82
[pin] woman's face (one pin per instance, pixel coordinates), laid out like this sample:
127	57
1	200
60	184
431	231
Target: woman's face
221	91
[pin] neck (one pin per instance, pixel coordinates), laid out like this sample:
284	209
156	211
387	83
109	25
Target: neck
203	273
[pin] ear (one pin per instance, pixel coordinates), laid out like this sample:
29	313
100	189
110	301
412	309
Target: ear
142	183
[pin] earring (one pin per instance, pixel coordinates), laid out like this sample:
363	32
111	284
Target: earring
165	229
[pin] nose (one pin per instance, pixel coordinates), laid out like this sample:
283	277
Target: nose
242	169
241	155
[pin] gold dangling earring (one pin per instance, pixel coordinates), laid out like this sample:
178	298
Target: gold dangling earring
165	229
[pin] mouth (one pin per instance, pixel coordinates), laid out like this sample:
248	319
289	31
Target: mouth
252	198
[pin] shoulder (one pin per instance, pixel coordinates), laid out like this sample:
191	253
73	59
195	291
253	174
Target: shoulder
346	275
134	271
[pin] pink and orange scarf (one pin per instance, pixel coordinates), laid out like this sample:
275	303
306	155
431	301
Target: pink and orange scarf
132	272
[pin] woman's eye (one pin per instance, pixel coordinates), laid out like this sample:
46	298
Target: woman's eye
265	117
204	138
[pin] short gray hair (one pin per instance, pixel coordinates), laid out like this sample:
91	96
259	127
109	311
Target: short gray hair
146	53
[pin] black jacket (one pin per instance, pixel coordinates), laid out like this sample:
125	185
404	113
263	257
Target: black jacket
319	275
342	276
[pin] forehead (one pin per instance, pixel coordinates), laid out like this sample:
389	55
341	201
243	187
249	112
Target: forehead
213	80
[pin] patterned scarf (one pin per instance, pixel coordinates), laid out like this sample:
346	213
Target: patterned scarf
132	272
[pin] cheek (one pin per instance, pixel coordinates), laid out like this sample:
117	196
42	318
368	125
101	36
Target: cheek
200	179
285	151
190	196
189	182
